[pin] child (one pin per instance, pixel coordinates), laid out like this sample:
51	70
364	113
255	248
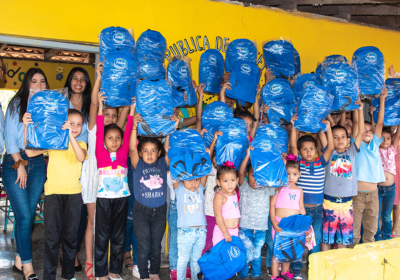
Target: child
369	174
226	205
150	190
387	189
396	210
112	196
312	178
340	187
63	199
254	209
287	202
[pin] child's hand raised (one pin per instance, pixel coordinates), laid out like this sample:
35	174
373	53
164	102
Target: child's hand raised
371	109
204	130
68	126
327	123
176	120
27	119
392	72
250	148
384	93
228	237
294	118
101	98
217	133
200	89
268	75
136	119
360	103
194	84
99	69
265	108
226	86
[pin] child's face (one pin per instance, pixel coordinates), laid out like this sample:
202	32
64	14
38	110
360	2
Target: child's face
349	129
228	182
110	116
249	124
149	153
192	185
340	140
113	140
368	133
230	102
76	123
308	151
387	140
349	122
293	175
252	180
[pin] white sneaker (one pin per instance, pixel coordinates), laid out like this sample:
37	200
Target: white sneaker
148	266
135	272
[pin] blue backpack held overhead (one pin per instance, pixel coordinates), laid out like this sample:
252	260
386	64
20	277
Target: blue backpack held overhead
279	56
240	49
289	244
233	144
154	104
341	80
213	114
120	77
298	62
244	79
304	81
279	96
392	103
370	66
211	70
223	261
49	111
179	74
331	59
150	50
187	156
115	39
314	106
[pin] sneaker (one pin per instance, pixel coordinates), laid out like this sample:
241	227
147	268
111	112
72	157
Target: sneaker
188	274
298	277
135	272
394	235
287	276
173	275
269	271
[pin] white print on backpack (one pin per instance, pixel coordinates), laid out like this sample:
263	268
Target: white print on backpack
119	38
120	63
234	252
371	57
246	69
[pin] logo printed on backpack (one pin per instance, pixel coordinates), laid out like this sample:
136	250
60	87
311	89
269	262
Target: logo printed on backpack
213	60
340	73
120	63
319	95
276	48
219	112
271	133
266	145
234	252
243	51
183	71
119	37
245	68
276	88
371	57
50	104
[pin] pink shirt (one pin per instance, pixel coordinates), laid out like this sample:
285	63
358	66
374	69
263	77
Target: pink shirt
388	159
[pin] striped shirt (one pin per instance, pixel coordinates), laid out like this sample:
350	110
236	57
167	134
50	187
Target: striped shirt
312	180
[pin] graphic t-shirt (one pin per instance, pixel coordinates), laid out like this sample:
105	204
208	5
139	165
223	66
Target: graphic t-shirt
113	183
150	183
388	159
190	207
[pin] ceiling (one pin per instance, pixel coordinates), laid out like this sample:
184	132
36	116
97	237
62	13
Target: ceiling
381	13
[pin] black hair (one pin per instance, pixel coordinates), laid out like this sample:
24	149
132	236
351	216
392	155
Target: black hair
20	100
223	170
1	59
336	127
387	129
242	112
304	139
293	164
112	126
153	140
368	123
75	112
86	94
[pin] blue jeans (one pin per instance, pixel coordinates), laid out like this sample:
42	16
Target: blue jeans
191	242
316	214
257	237
24	201
173	237
270	244
386	201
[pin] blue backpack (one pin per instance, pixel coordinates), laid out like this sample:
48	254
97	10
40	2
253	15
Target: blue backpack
298	62
304	81
240	49
341	80
314	106
370	66
179	74
187	156
279	96
223	261
244	79
49	111
150	51
289	244
279	56
120	77
154	104
211	70
392	103
331	59
115	39
233	144
213	114
269	143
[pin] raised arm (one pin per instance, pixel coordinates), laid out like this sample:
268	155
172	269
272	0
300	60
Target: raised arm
243	166
293	137
214	141
94	96
133	151
166	148
256	112
381	113
359	125
222	93
329	150
396	138
355	129
199	107
342	121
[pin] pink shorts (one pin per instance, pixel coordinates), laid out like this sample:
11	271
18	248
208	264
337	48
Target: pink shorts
218	235
273	231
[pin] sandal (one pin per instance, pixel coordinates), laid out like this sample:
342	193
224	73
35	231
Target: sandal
129	265
90	276
111	278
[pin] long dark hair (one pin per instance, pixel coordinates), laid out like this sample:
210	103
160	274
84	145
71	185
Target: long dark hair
86	94
22	94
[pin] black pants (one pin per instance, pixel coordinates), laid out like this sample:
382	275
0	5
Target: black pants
62	213
82	227
149	225
110	221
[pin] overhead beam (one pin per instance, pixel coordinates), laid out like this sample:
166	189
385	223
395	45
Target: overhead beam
319	2
375	10
387	21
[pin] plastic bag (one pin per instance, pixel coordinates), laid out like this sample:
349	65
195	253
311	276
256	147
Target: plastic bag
314	106
115	39
298	63
49	111
279	56
233	143
250	250
213	114
154	104
150	50
332	59
211	70
269	143
370	65
240	49
187	155
279	96
341	80
304	81
244	79
120	77
180	76
392	104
